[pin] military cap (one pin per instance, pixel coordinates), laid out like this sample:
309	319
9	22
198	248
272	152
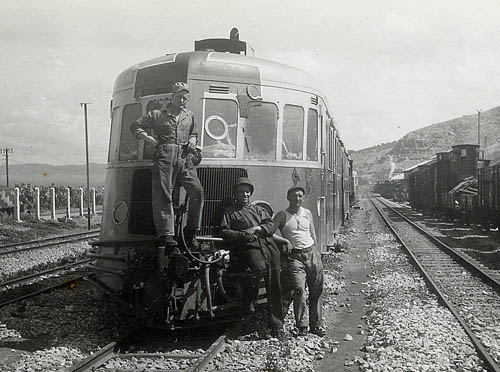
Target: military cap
177	87
243	181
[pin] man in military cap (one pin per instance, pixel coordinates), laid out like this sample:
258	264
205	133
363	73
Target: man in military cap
173	132
245	227
303	262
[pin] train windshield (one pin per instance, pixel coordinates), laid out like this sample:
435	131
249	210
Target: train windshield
260	131
220	128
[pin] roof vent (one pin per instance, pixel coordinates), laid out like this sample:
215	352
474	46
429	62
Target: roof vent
218	89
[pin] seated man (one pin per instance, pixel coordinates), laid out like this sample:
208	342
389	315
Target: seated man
304	261
245	226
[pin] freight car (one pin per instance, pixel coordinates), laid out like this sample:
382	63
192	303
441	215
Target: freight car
256	118
447	183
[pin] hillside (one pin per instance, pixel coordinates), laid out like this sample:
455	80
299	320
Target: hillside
60	175
377	163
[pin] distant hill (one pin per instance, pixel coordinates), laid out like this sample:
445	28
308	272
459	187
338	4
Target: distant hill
60	175
377	163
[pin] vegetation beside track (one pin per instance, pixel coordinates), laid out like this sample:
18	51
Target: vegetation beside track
12	231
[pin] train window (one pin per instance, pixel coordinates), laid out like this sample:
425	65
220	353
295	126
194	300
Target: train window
463	153
129	145
154	104
293	130
312	135
113	137
220	128
260	131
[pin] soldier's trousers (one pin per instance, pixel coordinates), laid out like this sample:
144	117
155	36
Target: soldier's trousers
170	168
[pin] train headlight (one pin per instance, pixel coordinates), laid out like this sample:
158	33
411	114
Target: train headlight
120	212
253	92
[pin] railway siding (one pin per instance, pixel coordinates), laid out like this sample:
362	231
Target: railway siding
462	290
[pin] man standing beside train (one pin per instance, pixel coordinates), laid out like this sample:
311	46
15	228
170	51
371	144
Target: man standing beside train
175	138
245	226
303	262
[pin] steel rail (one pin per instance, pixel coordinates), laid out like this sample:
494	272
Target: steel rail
112	350
9	245
483	353
458	256
97	359
45	272
44	290
48	242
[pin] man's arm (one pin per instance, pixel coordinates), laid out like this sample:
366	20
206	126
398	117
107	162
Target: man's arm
234	236
193	133
138	128
312	229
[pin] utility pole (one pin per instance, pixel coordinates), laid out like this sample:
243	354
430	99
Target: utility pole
7	165
479	128
6	151
84	105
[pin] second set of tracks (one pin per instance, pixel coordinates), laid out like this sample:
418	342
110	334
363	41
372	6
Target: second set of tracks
469	290
54	275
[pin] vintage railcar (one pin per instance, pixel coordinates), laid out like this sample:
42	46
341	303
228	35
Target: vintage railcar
256	118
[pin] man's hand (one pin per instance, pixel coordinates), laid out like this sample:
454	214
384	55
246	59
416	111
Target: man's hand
253	230
150	139
192	142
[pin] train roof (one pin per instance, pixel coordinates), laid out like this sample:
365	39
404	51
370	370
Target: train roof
227	67
426	162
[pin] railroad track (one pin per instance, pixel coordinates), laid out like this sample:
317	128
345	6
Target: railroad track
113	351
54	279
47	242
471	293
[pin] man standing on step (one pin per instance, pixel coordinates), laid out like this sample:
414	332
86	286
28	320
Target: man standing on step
175	137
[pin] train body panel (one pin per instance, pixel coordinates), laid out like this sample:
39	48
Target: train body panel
257	119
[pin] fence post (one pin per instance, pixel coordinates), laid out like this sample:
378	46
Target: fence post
37	201
52	203
81	201
92	193
18	205
68	203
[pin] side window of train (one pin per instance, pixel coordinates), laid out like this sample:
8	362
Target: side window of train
293	129
220	128
331	145
260	131
113	137
129	145
312	135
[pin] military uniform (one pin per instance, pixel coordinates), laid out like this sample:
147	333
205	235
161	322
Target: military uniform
260	255
172	163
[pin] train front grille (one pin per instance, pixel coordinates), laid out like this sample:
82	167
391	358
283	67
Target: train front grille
218	185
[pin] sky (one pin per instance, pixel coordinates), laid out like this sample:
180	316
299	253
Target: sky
387	67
